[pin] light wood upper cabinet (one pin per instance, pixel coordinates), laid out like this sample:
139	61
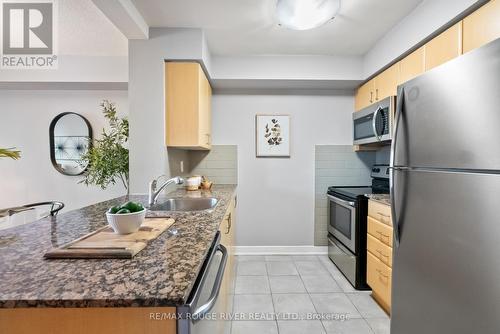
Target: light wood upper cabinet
411	66
383	85
365	95
482	26
386	83
188	106
444	47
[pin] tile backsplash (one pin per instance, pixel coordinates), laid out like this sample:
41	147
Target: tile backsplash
220	164
337	165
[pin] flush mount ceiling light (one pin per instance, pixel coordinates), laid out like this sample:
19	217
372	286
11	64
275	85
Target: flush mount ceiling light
305	14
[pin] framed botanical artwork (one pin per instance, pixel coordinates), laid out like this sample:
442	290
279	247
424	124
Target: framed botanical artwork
272	135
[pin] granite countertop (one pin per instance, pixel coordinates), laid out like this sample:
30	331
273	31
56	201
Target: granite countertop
381	198
162	274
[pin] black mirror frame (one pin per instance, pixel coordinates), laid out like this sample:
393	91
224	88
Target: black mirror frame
52	143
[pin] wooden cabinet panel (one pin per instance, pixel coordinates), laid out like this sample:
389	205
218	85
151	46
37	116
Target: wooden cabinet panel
482	26
379	231
227	239
444	47
188	106
386	83
365	95
380	212
205	112
411	66
381	251
85	320
379	278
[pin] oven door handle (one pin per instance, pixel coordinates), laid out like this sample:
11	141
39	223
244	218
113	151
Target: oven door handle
205	308
341	201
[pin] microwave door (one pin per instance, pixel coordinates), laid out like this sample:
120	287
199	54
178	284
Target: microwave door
363	129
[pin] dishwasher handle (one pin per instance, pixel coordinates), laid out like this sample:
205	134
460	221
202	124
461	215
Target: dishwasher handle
205	308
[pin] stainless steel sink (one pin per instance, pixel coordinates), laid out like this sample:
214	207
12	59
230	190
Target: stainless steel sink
185	204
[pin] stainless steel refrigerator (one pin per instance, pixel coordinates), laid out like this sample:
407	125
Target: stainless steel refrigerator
446	198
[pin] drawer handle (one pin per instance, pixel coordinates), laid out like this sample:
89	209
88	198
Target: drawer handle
381	254
382	274
383	215
229	223
382	235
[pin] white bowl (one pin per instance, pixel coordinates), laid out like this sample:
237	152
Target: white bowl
126	223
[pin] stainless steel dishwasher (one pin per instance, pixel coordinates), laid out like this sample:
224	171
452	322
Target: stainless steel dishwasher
197	316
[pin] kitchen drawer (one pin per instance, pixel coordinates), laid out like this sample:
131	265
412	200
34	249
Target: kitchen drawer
379	278
379	231
380	212
380	250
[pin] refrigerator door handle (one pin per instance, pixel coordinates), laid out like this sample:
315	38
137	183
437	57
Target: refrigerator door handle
392	168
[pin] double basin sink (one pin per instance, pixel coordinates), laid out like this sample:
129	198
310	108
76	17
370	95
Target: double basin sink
185	204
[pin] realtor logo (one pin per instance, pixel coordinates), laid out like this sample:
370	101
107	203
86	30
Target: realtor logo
28	34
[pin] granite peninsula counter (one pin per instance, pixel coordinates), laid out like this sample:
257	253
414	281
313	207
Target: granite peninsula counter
163	274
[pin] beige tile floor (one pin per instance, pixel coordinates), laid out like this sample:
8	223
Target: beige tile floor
301	286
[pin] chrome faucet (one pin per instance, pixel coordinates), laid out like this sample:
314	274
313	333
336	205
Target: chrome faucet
155	191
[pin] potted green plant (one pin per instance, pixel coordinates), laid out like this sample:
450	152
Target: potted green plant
10	153
107	158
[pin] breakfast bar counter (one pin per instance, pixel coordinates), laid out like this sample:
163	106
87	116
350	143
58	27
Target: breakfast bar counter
163	274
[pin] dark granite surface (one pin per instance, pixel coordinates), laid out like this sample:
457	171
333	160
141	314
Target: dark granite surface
162	274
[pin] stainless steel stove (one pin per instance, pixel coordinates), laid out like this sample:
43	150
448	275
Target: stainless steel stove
347	215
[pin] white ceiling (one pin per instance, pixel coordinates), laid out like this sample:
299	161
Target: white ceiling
248	27
85	31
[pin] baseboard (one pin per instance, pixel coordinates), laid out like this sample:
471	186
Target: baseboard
281	250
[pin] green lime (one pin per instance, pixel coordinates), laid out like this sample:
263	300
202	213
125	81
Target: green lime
114	209
122	211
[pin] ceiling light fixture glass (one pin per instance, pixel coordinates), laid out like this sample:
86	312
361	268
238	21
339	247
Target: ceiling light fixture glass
306	14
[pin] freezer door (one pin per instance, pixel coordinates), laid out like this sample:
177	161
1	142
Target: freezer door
446	270
451	115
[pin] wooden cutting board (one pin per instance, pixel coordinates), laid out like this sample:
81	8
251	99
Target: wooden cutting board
106	244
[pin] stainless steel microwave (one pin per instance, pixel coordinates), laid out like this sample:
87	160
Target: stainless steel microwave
373	124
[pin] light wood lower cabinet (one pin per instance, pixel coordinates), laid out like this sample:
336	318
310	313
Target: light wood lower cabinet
379	253
227	239
380	231
379	278
91	320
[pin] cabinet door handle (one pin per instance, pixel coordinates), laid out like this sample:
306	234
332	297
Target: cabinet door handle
376	94
382	255
371	97
228	223
382	274
382	235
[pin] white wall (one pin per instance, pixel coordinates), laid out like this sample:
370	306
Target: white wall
428	17
25	119
276	195
148	154
287	67
90	48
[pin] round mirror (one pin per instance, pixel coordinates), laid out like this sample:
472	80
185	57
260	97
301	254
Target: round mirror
70	137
